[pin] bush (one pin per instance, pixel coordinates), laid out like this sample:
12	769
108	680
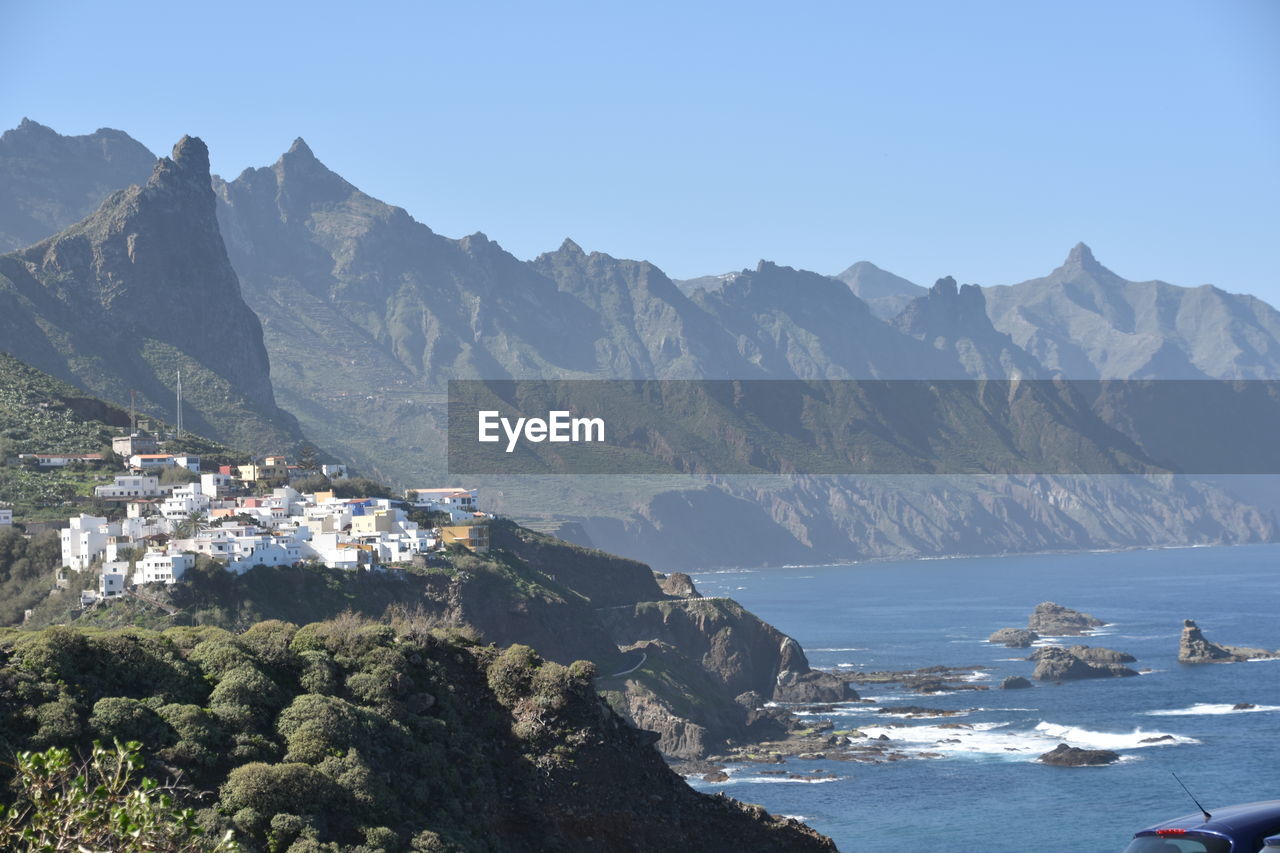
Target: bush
271	789
511	673
101	803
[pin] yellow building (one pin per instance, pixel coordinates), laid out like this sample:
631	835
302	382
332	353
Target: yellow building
379	521
473	537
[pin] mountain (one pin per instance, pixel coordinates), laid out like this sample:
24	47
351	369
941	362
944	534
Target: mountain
791	323
1083	321
49	181
955	321
886	293
139	290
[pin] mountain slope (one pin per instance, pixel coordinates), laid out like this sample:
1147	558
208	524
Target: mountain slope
49	181
1083	321
955	321
886	293
140	290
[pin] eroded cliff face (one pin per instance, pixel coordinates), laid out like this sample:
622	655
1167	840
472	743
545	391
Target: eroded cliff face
139	290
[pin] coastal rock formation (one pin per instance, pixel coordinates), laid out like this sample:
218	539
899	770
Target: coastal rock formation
1073	756
1054	620
1014	638
1015	682
1055	663
1099	655
678	584
812	686
1194	648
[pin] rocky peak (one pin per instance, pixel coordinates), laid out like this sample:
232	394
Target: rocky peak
568	247
1081	259
187	165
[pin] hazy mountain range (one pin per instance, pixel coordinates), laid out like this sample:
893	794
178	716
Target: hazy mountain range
364	313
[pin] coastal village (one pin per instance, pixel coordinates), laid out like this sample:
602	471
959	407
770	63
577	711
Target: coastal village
266	512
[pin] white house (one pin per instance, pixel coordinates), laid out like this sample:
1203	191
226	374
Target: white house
129	486
268	551
60	460
6	517
163	567
183	501
334	472
215	484
85	540
459	503
111	583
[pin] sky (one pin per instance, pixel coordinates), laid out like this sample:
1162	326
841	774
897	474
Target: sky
980	139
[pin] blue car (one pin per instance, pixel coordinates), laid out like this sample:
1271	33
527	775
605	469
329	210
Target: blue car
1248	828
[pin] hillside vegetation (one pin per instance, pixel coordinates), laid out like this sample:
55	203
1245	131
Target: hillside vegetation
359	736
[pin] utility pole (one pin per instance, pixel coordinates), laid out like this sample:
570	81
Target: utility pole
133	411
179	404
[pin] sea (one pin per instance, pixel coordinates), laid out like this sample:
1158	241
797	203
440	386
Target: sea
986	791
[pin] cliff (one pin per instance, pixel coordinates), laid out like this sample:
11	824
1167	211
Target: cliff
349	733
139	290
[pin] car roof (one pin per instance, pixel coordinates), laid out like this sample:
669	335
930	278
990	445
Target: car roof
1245	818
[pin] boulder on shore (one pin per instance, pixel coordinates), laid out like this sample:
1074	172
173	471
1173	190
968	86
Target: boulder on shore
1055	663
1054	620
1194	648
1015	682
1014	638
812	686
1073	756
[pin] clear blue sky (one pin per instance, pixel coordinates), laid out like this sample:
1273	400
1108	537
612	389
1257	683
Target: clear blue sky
975	139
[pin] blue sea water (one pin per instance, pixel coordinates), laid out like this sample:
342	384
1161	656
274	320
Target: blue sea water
987	792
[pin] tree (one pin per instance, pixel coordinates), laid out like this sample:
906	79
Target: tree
191	525
99	803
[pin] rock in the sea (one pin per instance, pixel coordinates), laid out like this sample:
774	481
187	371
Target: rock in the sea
677	583
1055	663
1095	654
1014	638
812	686
1014	682
1073	756
1194	648
715	776
1054	620
1243	706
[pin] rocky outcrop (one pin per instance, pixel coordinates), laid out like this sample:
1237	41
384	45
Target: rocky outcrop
1054	620
813	686
1194	648
1055	663
1014	682
1073	756
1099	655
677	584
1014	638
139	290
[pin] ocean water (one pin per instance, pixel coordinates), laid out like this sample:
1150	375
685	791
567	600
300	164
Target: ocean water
987	792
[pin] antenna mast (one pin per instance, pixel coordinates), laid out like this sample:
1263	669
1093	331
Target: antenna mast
179	404
133	413
1206	814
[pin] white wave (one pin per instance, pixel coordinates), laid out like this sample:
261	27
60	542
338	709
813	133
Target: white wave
976	675
1000	740
844	649
1076	736
1260	660
1210	709
798	817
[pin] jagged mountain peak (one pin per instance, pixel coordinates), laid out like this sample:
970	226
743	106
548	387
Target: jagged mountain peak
569	247
1081	259
300	148
945	286
191	155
